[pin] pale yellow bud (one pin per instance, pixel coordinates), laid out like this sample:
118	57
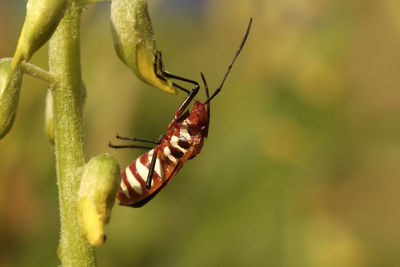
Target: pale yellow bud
10	86
49	116
42	18
135	44
96	196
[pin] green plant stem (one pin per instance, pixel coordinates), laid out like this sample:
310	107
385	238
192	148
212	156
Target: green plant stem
64	64
97	1
37	72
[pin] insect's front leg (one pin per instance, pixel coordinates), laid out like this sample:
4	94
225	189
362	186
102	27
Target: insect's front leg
162	74
184	105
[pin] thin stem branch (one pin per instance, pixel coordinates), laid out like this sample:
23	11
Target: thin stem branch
37	72
64	64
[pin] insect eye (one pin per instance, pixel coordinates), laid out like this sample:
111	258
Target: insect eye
203	130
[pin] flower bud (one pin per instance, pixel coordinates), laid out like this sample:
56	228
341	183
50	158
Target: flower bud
42	18
135	44
96	196
10	85
49	116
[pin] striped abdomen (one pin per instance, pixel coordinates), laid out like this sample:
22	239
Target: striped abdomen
174	150
133	179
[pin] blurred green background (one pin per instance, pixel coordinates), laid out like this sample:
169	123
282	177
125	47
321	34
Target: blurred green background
302	163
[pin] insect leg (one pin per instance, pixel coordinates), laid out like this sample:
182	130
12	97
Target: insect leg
184	105
127	146
161	74
191	93
151	169
170	75
183	116
157	142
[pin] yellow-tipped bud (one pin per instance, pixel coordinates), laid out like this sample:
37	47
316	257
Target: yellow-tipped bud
10	86
49	116
93	223
135	44
96	196
42	18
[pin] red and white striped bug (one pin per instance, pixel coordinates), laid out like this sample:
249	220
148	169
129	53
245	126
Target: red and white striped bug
153	170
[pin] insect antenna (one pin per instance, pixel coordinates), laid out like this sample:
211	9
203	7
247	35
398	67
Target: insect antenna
233	61
207	93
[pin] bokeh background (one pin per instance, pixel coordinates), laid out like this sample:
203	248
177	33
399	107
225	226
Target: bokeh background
302	163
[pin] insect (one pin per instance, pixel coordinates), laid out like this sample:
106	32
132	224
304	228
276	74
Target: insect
152	171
